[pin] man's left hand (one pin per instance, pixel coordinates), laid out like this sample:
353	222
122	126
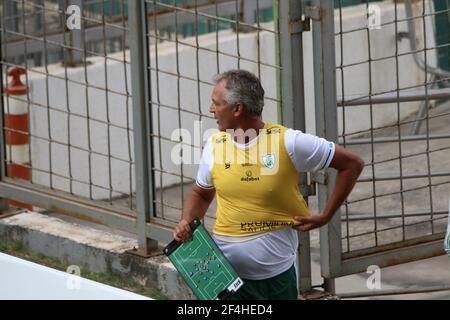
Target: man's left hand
310	222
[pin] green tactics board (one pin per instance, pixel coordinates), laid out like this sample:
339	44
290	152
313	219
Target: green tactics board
203	266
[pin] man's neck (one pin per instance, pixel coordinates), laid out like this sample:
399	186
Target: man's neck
248	130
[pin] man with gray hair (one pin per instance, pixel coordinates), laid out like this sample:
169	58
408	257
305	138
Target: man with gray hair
254	166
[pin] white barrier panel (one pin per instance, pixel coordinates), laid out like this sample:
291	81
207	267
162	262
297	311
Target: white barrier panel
24	280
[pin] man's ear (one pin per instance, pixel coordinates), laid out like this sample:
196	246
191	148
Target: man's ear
238	109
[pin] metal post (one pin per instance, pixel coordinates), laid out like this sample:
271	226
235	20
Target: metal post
143	146
322	14
293	108
248	9
38	15
11	16
3	201
76	36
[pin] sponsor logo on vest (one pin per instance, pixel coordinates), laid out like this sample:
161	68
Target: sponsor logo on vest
221	140
268	225
272	130
269	160
249	177
227	165
247	164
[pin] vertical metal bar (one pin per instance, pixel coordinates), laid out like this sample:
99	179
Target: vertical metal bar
27	84
37	12
238	26
11	16
248	8
3	201
5	99
293	107
177	62
108	120
447	9
143	141
248	11
372	145
217	37
197	59
326	126
88	116
123	46
47	95
427	122
158	102
76	37
344	136
276	21
69	139
37	56
399	133
258	39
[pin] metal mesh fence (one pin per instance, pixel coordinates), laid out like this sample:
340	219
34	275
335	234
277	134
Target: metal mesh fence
393	109
181	73
101	30
79	126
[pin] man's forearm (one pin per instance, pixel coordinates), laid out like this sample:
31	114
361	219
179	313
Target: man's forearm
194	207
345	181
349	167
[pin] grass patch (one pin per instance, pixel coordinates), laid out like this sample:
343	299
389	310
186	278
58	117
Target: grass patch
19	251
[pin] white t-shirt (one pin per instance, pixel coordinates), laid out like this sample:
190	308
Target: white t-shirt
272	253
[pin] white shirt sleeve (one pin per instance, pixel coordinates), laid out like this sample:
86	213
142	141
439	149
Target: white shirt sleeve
204	179
308	152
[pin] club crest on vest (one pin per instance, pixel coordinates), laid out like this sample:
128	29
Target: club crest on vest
269	160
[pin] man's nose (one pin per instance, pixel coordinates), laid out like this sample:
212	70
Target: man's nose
211	108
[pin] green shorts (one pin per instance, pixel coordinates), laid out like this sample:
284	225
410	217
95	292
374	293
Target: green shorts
280	287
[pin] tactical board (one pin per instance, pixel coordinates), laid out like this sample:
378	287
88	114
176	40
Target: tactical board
203	266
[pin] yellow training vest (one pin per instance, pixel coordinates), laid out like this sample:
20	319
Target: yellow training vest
257	186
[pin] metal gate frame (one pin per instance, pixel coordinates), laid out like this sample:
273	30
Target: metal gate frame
148	231
333	262
292	96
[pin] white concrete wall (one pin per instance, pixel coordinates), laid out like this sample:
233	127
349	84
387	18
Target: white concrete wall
25	280
181	92
54	125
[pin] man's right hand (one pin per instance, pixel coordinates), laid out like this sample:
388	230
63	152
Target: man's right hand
194	206
182	231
